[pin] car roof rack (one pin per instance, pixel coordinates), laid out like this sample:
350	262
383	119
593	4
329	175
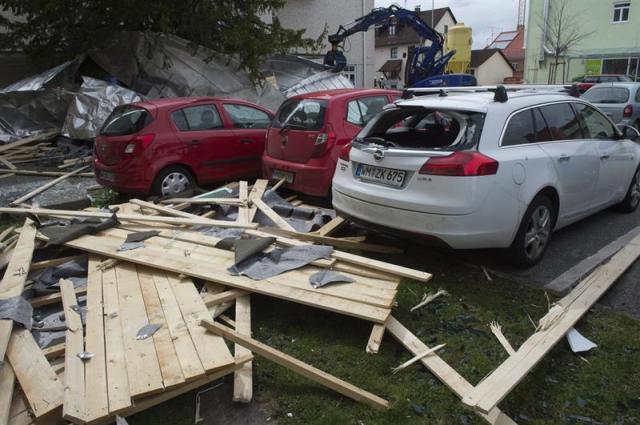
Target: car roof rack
500	91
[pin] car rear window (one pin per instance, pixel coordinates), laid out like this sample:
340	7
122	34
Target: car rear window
301	114
126	119
607	95
424	128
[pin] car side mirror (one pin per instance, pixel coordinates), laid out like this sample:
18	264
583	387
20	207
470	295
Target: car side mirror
630	133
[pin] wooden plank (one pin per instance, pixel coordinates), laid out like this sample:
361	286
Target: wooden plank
243	378
7	384
42	173
214	299
187	355
559	321
337	242
257	191
445	373
56	262
127	217
205	201
273	216
97	405
8	163
212	350
154	255
54	351
6	232
54	298
167	357
117	375
167	210
46	186
243	211
332	226
297	366
148	402
74	401
40	384
11	286
42	136
142	362
375	339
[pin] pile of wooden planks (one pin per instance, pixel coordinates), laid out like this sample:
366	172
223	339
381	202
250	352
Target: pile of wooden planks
23	150
105	368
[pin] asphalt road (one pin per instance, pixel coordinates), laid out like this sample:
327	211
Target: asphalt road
571	246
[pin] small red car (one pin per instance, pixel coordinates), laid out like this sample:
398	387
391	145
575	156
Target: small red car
164	146
309	131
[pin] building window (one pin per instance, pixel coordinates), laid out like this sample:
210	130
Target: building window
393	53
621	12
392	30
349	71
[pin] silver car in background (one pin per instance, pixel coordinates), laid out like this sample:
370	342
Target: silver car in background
620	101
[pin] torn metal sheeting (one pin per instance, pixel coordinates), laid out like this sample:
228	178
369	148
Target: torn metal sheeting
578	342
280	260
325	277
128	246
141	236
147	330
58	235
17	309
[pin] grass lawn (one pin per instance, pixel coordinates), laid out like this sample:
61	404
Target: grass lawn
603	386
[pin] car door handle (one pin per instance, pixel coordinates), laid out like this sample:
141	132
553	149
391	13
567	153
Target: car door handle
246	141
564	158
604	157
193	142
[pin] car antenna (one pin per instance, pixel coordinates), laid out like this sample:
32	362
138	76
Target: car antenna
500	94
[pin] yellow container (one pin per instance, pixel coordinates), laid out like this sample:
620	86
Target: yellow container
459	39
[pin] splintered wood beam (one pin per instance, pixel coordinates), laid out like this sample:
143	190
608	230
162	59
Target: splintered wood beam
558	321
128	217
375	339
243	377
215	299
445	373
74	400
337	242
44	187
258	189
297	366
331	227
42	136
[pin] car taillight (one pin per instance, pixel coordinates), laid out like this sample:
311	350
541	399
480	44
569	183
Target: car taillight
628	111
344	152
324	139
460	164
139	144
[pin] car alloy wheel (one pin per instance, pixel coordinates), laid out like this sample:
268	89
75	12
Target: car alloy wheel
634	191
537	234
174	183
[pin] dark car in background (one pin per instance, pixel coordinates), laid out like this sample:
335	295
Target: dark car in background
165	146
310	130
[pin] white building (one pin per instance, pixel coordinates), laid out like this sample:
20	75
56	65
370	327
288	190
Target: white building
392	43
314	15
490	66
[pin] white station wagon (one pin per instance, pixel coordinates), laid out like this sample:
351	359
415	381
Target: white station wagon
487	169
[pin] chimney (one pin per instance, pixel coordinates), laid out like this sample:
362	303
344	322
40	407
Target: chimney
417	9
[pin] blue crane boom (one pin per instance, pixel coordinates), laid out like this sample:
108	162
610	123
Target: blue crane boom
424	63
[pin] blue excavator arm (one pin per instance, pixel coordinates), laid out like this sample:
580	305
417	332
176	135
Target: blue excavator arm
425	62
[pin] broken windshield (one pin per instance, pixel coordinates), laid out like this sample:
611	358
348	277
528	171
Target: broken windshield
424	128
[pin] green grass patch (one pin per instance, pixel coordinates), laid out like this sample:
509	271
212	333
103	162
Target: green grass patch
563	388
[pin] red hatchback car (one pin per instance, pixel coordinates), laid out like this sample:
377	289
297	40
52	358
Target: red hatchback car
309	131
164	146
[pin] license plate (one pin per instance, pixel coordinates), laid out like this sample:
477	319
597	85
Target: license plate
108	176
279	175
386	176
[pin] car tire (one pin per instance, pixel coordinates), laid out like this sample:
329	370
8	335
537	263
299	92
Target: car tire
534	233
632	199
172	180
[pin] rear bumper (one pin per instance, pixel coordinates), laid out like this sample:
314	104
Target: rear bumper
471	231
129	177
314	180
